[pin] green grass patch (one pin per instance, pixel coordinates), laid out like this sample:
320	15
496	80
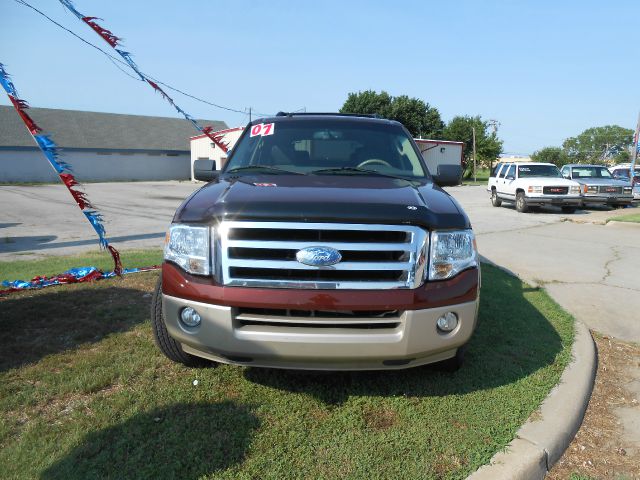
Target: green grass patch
634	218
482	177
84	393
27	269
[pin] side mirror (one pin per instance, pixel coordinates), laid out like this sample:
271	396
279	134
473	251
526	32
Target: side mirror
567	176
448	175
205	170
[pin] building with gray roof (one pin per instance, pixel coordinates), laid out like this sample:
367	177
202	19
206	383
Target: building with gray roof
99	146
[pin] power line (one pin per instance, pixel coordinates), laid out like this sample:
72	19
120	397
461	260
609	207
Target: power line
115	60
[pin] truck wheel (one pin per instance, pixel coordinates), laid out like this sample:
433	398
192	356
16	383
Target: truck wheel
568	209
165	342
495	201
521	204
452	364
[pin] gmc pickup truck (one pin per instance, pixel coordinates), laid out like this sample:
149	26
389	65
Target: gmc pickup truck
598	185
533	185
323	244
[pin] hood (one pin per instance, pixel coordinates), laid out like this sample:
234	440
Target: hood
602	181
323	198
549	181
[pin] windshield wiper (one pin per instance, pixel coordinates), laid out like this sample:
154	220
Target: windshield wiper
266	168
359	170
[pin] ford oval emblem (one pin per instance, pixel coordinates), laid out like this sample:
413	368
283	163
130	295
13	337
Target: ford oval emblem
318	256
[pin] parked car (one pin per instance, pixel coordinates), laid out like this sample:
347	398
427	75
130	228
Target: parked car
598	185
324	243
621	172
533	185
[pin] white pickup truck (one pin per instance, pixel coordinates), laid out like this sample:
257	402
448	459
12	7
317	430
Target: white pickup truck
533	185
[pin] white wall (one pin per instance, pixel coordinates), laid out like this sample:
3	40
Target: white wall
203	148
437	153
32	166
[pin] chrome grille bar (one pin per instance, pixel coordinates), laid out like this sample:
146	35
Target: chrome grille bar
401	261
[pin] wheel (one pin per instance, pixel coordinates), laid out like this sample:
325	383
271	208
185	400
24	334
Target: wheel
521	204
374	161
165	342
568	209
452	364
495	201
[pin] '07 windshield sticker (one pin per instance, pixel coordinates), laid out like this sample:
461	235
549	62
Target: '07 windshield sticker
262	129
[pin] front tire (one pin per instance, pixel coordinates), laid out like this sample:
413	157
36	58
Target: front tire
165	342
495	201
453	364
521	204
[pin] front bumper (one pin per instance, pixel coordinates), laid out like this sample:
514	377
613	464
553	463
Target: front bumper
614	199
414	341
558	201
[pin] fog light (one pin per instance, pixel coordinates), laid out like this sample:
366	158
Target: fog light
447	322
190	317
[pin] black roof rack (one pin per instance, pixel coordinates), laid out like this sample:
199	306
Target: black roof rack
333	114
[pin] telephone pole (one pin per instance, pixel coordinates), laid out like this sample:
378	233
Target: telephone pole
634	153
473	130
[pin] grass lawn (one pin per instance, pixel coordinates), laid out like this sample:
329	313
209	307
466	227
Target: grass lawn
633	217
27	269
84	393
482	177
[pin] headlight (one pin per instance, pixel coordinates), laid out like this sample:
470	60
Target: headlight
575	190
627	189
590	189
188	247
450	253
536	189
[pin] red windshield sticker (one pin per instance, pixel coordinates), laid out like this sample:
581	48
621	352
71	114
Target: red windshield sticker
262	129
265	185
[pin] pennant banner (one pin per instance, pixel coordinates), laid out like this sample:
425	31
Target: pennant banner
74	275
113	42
63	169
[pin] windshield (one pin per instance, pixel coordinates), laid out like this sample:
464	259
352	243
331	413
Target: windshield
326	147
538	171
590	172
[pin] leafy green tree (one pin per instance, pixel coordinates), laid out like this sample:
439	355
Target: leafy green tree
421	119
555	155
599	145
488	145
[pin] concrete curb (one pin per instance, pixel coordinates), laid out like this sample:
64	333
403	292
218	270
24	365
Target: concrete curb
540	442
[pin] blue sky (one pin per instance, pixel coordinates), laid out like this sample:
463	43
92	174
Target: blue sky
545	70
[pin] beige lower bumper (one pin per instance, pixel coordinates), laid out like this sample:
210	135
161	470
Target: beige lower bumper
414	341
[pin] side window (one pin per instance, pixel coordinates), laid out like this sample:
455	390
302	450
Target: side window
496	169
511	171
502	171
564	171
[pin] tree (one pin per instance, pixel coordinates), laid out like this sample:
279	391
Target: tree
599	145
421	119
554	155
488	145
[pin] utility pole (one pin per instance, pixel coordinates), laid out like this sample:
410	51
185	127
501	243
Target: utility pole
634	153
473	130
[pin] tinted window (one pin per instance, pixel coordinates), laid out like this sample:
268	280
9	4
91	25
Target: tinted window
538	171
503	170
494	173
308	145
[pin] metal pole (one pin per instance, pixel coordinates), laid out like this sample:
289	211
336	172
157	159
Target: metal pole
634	153
475	177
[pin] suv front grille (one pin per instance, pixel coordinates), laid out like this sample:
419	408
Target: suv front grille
263	254
555	190
609	189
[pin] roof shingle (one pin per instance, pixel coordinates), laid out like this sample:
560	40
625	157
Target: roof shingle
97	130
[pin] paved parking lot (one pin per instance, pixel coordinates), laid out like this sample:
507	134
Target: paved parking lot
590	269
